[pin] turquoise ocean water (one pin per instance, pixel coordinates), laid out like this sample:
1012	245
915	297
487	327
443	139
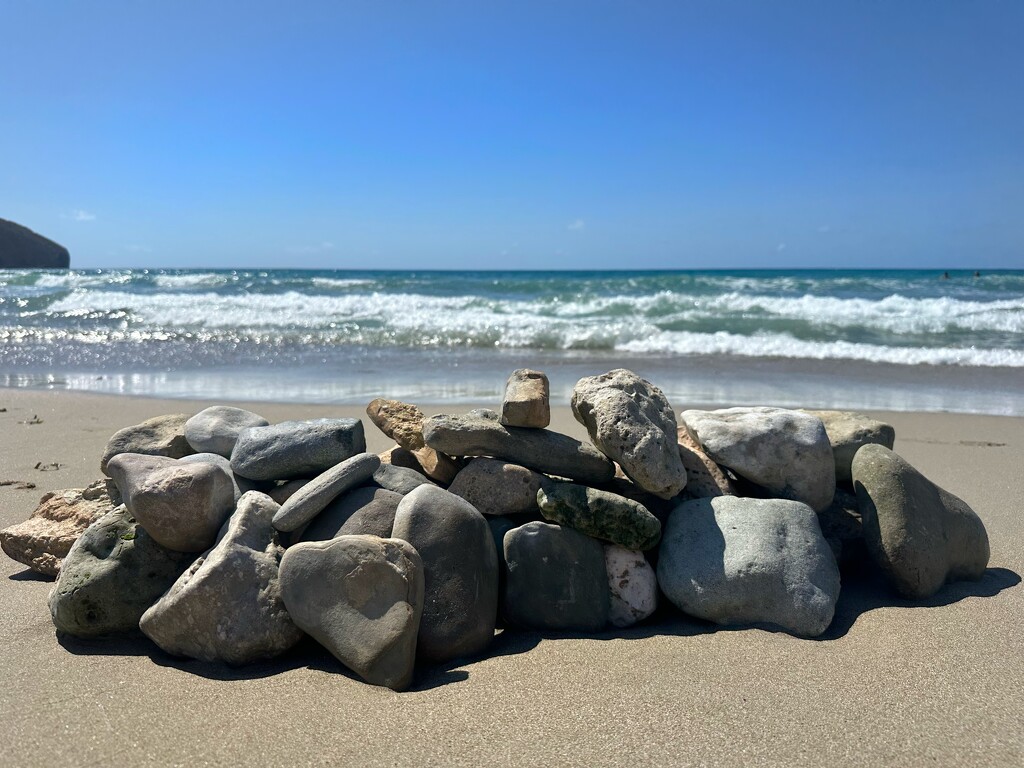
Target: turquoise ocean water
901	340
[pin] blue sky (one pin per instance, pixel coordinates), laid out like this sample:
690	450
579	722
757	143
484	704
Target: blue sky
516	135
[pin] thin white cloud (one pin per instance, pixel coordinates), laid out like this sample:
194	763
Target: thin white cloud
578	225
77	214
780	247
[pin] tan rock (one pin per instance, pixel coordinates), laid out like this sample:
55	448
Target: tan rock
402	422
439	467
705	479
847	431
527	400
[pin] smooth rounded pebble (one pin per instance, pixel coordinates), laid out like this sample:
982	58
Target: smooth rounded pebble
216	429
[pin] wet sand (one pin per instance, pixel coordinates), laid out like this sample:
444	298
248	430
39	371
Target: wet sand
891	683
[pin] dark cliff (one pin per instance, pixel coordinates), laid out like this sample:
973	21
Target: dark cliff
21	247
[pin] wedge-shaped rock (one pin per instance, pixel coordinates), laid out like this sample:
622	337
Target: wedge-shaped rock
527	400
461	572
847	432
227	606
361	597
735	560
433	465
479	433
361	511
786	452
399	479
309	501
496	487
42	541
181	505
920	535
632	586
600	514
630	421
159	436
294	449
402	422
113	573
555	579
704	478
216	429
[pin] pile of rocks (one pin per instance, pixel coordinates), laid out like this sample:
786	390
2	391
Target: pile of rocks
226	538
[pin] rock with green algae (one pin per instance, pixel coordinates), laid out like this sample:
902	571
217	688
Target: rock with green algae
600	514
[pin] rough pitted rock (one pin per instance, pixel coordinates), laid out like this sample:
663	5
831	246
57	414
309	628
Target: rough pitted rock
704	478
847	431
216	429
296	449
402	422
919	534
399	479
735	560
362	511
786	452
361	597
159	436
113	573
630	421
227	606
436	467
310	500
479	433
461	572
555	578
600	514
527	400
241	484
632	586
42	541
181	505
496	487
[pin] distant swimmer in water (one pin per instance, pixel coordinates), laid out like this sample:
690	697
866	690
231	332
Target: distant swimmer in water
977	273
945	275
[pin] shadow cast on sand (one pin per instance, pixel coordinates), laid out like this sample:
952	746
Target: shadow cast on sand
29	575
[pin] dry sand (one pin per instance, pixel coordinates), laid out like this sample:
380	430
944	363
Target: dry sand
890	684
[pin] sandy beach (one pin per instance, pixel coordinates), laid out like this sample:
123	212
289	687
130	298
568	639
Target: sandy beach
890	683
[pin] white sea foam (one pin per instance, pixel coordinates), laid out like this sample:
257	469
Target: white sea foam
192	280
336	283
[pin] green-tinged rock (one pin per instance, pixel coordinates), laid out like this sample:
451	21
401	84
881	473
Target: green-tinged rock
600	514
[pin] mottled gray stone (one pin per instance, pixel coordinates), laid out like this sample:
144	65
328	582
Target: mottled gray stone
461	572
847	431
786	452
227	606
111	575
159	436
399	479
295	449
241	484
735	560
361	511
527	400
216	429
402	422
479	433
306	503
630	421
919	534
555	579
181	505
632	586
600	514
362	598
496	487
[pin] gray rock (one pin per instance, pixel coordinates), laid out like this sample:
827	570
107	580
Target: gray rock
920	535
600	514
361	597
281	493
216	429
159	436
227	606
631	422
461	572
479	433
111	575
847	431
296	449
842	528
495	487
433	465
786	452
309	501
362	511
704	478
42	541
735	560
402	422
527	400
555	579
241	484
181	505
399	479
632	586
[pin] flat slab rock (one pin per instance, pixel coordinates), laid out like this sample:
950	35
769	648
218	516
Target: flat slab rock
296	449
306	503
216	429
600	514
159	436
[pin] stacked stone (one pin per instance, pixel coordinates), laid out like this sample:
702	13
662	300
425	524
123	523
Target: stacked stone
225	538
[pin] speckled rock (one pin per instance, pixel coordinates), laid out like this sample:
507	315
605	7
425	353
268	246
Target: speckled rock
159	436
399	479
42	541
847	431
216	429
361	511
920	535
309	501
111	575
496	487
786	452
630	421
181	505
704	478
361	597
600	514
735	560
227	606
527	400
241	484
296	449
402	422
632	586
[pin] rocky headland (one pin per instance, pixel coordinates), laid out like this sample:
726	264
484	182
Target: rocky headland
21	248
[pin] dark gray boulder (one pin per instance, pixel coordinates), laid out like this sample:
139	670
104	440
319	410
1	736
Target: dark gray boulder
399	479
296	449
21	248
362	511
